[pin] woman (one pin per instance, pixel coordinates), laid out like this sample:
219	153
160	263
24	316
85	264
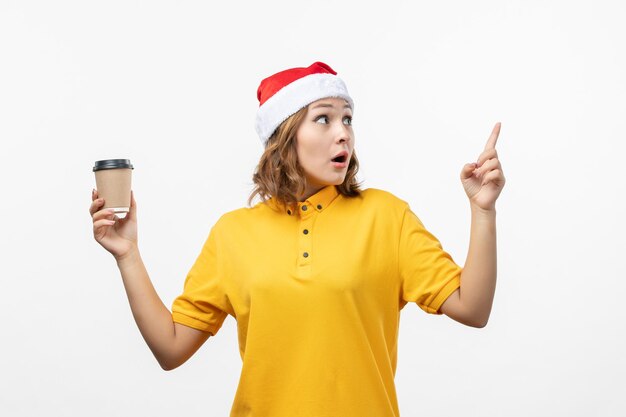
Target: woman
317	272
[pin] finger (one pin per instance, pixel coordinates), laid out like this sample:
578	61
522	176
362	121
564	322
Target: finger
486	155
494	176
468	170
96	205
132	213
97	226
491	142
489	165
104	214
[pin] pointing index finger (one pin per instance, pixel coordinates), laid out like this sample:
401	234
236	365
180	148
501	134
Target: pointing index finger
491	142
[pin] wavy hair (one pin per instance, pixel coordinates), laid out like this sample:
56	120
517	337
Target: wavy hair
280	175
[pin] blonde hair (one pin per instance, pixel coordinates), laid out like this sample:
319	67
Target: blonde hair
280	175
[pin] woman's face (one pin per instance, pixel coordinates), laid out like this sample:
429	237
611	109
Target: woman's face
325	132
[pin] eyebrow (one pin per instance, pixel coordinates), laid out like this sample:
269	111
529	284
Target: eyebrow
347	106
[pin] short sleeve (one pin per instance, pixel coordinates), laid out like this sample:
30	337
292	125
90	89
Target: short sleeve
203	303
428	274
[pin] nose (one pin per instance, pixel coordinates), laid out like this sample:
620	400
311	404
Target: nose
344	133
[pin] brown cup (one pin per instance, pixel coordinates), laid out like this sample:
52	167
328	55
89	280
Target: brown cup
113	182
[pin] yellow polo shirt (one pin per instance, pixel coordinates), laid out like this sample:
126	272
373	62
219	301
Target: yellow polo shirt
317	297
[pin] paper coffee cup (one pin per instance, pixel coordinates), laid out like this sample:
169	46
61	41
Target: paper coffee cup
113	182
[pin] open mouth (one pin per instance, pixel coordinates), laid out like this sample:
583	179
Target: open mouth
340	158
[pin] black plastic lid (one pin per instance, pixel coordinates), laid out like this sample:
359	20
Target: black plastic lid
112	164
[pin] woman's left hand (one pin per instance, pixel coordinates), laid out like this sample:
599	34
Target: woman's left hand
483	180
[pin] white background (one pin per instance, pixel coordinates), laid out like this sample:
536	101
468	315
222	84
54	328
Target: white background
172	86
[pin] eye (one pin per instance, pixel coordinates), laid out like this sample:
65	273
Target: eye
349	119
323	116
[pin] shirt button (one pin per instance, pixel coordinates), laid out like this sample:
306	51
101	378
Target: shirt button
305	254
303	208
319	206
305	231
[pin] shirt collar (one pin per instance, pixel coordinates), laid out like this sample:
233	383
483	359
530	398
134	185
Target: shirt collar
318	201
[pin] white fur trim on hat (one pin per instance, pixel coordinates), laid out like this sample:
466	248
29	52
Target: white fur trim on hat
294	96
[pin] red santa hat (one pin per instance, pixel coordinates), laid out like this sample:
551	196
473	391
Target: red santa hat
284	93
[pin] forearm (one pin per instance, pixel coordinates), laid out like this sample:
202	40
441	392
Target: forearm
478	279
152	317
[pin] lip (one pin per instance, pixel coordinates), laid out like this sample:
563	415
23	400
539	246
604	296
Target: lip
342	153
341	165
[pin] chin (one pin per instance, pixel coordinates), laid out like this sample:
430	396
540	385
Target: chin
330	181
338	182
335	181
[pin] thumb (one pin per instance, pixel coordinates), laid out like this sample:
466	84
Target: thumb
468	170
132	213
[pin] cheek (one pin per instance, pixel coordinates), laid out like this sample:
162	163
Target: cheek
305	151
311	158
317	156
309	151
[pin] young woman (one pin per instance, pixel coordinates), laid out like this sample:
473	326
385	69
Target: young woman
315	274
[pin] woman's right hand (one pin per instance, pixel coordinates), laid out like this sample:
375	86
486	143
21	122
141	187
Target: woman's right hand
118	236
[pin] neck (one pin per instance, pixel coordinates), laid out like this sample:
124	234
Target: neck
309	191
